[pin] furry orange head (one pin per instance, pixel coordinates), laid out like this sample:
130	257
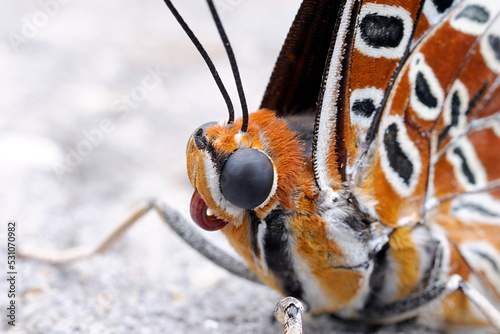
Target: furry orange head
232	171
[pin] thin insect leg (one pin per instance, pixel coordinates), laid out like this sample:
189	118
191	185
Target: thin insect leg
288	311
79	253
172	217
414	302
190	234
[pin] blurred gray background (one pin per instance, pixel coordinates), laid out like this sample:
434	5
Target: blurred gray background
87	132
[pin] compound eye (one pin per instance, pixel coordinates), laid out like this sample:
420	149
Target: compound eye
247	178
199	136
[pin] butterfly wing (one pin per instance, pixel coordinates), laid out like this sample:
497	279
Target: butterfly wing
422	154
296	80
313	64
393	79
369	49
433	159
464	183
408	101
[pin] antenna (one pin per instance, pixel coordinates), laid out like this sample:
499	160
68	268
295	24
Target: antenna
206	57
234	66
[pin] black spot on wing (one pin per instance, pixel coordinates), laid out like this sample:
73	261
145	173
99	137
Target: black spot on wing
455	109
455	114
494	42
464	166
398	160
382	31
364	108
476	98
474	207
277	254
475	13
442	5
423	91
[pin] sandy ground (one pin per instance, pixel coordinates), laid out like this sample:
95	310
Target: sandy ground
98	99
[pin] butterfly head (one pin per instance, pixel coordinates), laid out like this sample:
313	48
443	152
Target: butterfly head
234	171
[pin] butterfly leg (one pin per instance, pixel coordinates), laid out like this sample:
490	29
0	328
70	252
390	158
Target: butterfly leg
288	311
79	253
187	231
414	302
481	302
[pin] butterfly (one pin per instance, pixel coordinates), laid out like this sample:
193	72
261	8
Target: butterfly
367	185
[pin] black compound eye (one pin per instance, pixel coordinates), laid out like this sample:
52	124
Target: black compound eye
199	136
247	178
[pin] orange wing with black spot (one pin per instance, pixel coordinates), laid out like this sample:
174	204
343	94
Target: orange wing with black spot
408	124
436	160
